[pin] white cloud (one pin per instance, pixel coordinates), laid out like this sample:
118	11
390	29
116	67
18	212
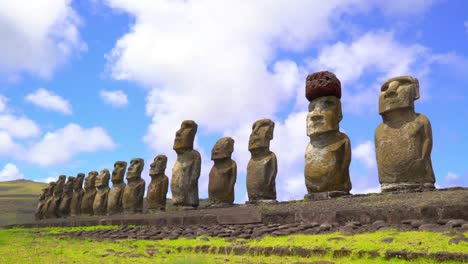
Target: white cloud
61	145
365	153
3	103
452	180
47	180
7	144
48	100
37	36
18	127
10	172
116	98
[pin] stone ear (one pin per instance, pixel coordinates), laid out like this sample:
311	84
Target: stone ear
416	89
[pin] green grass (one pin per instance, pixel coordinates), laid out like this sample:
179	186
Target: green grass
37	245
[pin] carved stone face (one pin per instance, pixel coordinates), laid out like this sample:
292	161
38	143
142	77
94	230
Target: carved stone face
70	183
398	93
158	166
262	133
324	115
102	180
90	181
223	148
119	171
78	181
50	189
185	136
136	166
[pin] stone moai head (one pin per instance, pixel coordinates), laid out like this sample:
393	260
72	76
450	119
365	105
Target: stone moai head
102	180
398	93
135	169
58	189
323	90
90	181
158	166
262	133
185	136
119	171
68	187
50	189
223	148
79	181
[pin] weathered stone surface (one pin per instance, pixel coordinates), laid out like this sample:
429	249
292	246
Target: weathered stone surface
43	197
102	194
77	197
186	170
263	166
223	174
157	189
328	155
114	203
133	193
54	203
65	200
239	218
89	194
403	142
322	83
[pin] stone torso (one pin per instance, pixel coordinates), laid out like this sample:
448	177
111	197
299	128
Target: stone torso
261	176
87	202
75	206
114	203
324	166
133	196
184	183
157	191
221	182
100	201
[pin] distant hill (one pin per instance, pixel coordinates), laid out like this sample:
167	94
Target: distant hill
18	200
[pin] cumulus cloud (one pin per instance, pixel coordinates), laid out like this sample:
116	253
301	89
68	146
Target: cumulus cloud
365	153
18	127
10	172
46	99
115	98
61	145
452	179
3	103
37	36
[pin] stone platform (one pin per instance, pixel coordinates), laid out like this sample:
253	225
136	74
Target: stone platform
392	208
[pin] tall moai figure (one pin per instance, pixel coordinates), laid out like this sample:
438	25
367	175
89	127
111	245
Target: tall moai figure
48	200
53	207
223	174
78	192
263	166
157	189
114	204
186	170
403	141
102	194
133	193
89	193
328	154
67	195
38	214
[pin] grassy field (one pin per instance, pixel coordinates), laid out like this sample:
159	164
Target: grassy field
18	200
43	246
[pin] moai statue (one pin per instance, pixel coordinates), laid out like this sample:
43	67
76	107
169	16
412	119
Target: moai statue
67	195
134	191
328	154
186	170
157	189
114	204
102	194
263	166
78	192
89	194
48	200
53	207
223	173
403	141
42	201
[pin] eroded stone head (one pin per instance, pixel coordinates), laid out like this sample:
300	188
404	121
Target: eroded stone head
58	189
119	171
102	180
223	148
323	83
68	187
262	133
50	189
90	181
398	93
79	181
324	115
135	169
185	136
158	166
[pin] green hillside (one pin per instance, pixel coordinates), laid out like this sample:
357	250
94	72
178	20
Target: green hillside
18	200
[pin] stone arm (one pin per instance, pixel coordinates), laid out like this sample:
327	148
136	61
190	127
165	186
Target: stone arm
427	144
196	166
347	162
274	171
232	180
164	187
141	189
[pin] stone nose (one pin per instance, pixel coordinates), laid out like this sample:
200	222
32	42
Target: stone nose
316	118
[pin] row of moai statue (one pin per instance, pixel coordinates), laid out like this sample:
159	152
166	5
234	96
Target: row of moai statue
403	143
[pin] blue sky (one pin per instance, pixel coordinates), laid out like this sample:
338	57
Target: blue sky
86	83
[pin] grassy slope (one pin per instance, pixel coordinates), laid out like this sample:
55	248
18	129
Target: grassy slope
18	200
36	246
